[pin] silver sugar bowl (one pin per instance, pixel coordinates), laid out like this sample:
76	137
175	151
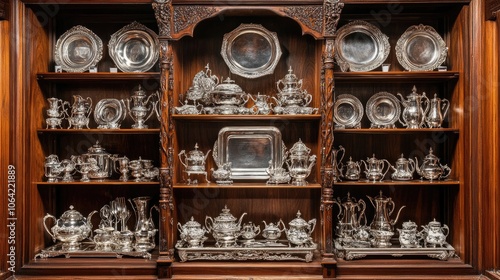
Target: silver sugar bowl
408	235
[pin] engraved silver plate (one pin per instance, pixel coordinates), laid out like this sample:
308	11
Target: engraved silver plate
251	51
134	48
348	111
78	49
250	150
360	46
383	110
420	48
109	113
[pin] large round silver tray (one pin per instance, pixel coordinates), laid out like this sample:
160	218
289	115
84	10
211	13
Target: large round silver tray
360	46
109	113
134	48
347	111
251	51
383	110
78	49
420	48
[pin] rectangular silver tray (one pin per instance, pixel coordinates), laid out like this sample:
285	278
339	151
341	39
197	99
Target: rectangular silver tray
250	150
87	250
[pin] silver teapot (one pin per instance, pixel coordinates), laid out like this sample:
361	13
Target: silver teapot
70	229
375	168
228	93
403	171
261	104
249	231
353	170
80	112
225	229
272	231
300	163
103	159
437	112
414	113
194	162
52	168
431	169
299	232
435	234
192	233
141	107
290	92
408	235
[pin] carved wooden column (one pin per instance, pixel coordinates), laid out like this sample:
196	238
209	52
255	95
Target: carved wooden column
331	15
163	12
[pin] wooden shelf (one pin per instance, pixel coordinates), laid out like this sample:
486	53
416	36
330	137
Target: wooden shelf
100	76
98	183
383	77
398	183
393	130
245	186
99	131
315	117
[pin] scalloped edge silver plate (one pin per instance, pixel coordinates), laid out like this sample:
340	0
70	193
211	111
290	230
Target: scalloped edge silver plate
383	119
346	54
78	49
134	48
421	48
352	121
109	113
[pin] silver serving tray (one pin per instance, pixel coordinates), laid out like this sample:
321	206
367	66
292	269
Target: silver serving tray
251	51
347	111
78	49
88	250
250	150
134	48
383	110
109	113
421	48
360	46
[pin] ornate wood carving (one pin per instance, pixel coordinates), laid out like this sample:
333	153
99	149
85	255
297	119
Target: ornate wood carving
332	10
186	17
310	16
163	14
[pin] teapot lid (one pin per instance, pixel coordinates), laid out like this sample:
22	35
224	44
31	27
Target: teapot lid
299	148
298	222
402	159
97	149
228	87
71	217
372	159
290	78
139	91
434	223
430	156
195	152
192	224
225	216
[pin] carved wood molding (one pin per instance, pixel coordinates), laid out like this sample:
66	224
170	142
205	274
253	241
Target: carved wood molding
492	8
310	16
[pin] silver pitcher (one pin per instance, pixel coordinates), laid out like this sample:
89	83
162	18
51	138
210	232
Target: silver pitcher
140	107
375	168
337	163
431	169
381	227
414	112
300	163
437	112
80	112
351	212
353	170
56	112
435	234
144	230
403	170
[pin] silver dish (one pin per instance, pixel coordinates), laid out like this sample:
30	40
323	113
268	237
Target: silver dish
420	48
78	49
383	110
347	111
134	48
360	46
250	150
109	113
251	51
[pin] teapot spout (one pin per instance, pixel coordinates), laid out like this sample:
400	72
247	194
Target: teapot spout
393	222
417	167
206	155
241	218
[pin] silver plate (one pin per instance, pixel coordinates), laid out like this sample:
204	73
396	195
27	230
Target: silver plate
347	111
109	113
250	150
134	48
251	51
383	110
420	48
78	49
360	46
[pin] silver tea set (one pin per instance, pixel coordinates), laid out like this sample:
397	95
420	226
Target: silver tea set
210	95
98	164
72	228
108	113
230	232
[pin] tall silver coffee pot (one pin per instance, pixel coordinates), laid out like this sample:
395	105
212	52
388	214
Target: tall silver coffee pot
144	230
351	212
140	107
437	112
415	109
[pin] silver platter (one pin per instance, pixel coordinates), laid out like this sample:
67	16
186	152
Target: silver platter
383	110
78	49
134	48
109	113
347	111
420	48
360	46
251	51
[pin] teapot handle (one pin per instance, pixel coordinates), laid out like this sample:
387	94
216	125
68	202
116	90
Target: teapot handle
447	230
313	222
362	213
445	106
388	168
278	85
258	229
183	152
412	165
207	225
390	202
179	227
283	224
45	225
445	167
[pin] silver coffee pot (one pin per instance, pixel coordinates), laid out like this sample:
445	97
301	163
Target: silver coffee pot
80	112
414	112
140	107
300	163
403	170
353	170
376	169
261	104
351	212
431	169
144	230
437	112
381	227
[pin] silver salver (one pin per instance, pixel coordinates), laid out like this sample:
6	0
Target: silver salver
360	46
109	113
421	48
347	111
251	51
383	110
78	49
134	48
250	150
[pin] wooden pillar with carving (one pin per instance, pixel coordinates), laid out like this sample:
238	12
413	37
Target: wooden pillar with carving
331	15
163	13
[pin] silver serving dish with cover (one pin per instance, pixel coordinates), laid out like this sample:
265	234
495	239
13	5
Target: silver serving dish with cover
360	46
134	48
228	97
78	49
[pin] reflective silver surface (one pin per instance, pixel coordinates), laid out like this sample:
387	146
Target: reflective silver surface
360	46
78	49
134	48
109	113
421	48
383	110
347	111
251	51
